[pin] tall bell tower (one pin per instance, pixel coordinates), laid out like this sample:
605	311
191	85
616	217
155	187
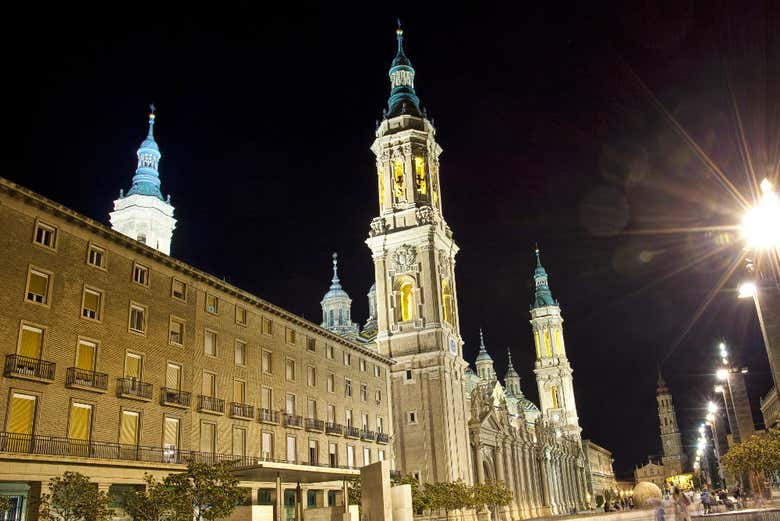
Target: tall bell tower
416	299
671	441
552	368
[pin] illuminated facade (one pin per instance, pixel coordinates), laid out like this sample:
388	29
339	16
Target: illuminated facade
671	440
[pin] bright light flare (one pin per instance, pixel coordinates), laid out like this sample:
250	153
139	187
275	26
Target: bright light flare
712	407
718	389
710	417
747	289
760	225
722	374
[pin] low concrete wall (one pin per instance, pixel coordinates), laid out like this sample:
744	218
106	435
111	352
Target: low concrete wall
772	514
402	502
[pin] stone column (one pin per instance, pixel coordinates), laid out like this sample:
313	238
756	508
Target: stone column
478	458
498	459
546	492
535	480
279	500
509	465
521	488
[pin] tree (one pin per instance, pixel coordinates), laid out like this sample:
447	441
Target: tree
354	489
756	454
448	496
159	501
5	503
493	494
420	500
74	498
212	489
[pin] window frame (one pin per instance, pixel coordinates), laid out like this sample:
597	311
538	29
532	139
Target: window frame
207	332
330	352
311	344
241	310
104	252
287	362
215	311
244	352
76	402
290	336
49	284
44	334
145	310
411	417
142	268
55	235
173	319
331	382
311	376
183	298
270	369
269	330
101	294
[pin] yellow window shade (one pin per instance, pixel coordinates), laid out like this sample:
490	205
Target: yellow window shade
85	358
173	376
128	430
208	384
92	301
238	391
39	284
32	342
171	432
80	421
133	366
21	417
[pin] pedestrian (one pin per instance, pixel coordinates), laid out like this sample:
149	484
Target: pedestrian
660	514
706	500
681	506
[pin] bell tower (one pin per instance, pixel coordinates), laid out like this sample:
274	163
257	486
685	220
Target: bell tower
552	368
416	299
671	441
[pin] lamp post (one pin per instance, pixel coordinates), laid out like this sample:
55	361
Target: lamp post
761	231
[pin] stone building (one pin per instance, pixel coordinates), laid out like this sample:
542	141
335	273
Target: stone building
601	476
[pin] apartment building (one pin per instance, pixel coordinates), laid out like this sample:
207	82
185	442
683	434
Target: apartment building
120	361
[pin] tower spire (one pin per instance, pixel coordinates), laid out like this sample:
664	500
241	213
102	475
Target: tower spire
335	283
146	180
542	294
403	99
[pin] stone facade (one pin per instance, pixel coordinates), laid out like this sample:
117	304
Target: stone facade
165	359
601	476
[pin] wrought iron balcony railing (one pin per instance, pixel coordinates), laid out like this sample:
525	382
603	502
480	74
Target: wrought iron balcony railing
367	435
293	420
312	424
334	428
26	367
268	416
132	388
241	410
175	397
351	432
211	404
75	377
382	437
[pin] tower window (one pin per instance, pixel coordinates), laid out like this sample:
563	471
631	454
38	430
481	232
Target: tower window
407	301
446	299
411	417
330	318
408	375
381	189
547	343
419	175
399	190
554	395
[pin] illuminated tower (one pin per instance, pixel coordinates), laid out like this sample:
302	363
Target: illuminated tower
142	213
671	441
552	369
337	307
416	300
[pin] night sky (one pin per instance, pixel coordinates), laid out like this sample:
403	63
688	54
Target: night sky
554	130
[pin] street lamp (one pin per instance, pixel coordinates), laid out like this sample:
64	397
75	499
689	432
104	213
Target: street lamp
760	224
712	407
722	374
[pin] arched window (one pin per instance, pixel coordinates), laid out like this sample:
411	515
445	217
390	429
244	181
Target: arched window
554	394
330	313
381	190
341	316
547	343
538	345
558	341
398	180
407	300
446	300
419	175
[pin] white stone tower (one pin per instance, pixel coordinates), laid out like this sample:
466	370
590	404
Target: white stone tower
552	369
671	441
337	307
484	362
416	299
142	213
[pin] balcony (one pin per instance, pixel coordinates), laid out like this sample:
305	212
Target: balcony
293	420
76	378
315	425
174	397
367	435
211	405
334	428
351	432
268	416
18	366
242	411
382	437
134	389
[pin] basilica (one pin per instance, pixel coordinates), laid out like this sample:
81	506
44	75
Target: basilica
157	362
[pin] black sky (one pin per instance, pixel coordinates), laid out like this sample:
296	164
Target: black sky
265	121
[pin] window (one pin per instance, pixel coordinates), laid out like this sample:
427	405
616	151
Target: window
411	417
311	408
419	175
173	376
289	369
240	315
240	352
347	387
265	361
362	364
311	345
239	391
80	422
140	274
333	458
91	304
21	416
239	442
378	397
407	301
212	304
179	290
380	424
210	343
86	353
348	417
366	456
176	331
554	396
364	420
381	455
209	384
268	326
170	436
331	413
408	375
38	284
311	376
96	256
291	449
314	452
289	336
329	352
377	371
267	445
266	398
137	318
134	366
331	382
45	235
350	456
289	403
208	437
128	428
363	392
31	341
347	358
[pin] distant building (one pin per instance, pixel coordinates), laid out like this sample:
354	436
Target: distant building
770	408
600	474
652	471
